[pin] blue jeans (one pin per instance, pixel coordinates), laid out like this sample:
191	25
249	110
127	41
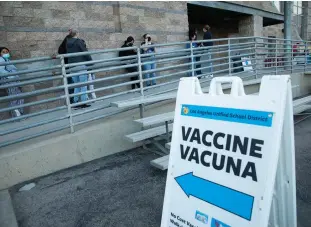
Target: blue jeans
79	79
196	66
210	64
150	75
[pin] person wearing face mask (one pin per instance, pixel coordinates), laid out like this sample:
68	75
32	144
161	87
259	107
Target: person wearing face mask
129	42
5	78
150	58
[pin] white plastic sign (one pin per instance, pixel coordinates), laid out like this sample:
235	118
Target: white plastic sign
224	155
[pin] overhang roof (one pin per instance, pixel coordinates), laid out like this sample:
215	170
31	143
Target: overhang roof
270	15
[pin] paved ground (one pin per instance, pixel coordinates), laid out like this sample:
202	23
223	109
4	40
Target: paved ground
121	190
124	190
303	171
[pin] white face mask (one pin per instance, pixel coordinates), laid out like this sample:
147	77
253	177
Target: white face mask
6	56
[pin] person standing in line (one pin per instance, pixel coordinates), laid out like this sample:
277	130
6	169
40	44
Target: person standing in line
15	90
62	49
207	36
75	45
194	59
129	42
151	58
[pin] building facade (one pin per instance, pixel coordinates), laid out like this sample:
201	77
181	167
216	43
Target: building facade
34	29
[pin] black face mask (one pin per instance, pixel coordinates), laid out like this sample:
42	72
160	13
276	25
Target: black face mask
149	39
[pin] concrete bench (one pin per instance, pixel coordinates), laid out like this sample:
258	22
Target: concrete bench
147	134
161	163
156	119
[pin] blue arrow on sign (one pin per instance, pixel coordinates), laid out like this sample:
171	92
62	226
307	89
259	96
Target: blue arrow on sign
228	199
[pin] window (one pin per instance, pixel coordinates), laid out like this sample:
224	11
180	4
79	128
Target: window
297	7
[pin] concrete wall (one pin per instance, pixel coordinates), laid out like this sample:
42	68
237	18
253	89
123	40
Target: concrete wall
306	20
274	30
251	26
32	29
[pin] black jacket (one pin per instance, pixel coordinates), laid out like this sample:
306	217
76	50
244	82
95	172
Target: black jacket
62	49
125	53
207	35
75	45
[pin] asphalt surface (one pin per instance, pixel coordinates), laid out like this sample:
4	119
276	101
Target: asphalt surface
123	190
303	171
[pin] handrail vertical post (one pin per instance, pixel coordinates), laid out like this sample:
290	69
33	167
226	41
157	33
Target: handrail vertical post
292	56
256	58
305	56
141	82
229	55
67	94
192	62
276	57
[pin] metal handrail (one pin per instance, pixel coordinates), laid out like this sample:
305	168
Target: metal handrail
173	60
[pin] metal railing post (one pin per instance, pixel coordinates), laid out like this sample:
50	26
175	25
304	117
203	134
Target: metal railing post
256	72
276	57
141	82
229	56
305	56
192	62
292	56
67	93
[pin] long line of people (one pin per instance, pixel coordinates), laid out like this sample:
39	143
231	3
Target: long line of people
73	44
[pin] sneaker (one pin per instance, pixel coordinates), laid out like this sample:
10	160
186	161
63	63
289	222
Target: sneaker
17	113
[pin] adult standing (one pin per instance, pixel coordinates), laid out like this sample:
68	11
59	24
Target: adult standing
146	49
75	45
129	42
208	36
194	59
62	49
5	78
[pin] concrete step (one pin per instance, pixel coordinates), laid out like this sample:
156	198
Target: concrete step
301	108
301	101
143	100
149	133
156	119
161	163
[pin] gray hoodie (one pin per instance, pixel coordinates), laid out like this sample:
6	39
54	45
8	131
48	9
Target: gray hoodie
75	45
